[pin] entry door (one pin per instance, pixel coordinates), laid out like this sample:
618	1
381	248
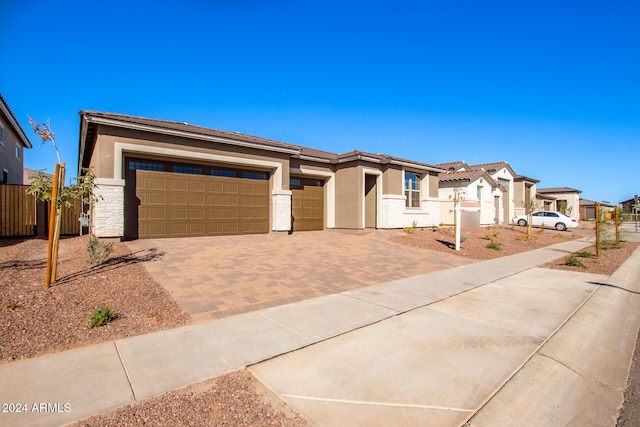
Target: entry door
370	201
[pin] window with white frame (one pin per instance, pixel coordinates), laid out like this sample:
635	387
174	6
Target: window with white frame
479	193
1	135
412	189
18	152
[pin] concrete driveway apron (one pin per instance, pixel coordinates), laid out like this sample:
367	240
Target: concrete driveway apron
216	277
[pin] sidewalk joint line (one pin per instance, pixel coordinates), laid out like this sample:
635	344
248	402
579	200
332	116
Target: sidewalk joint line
387	404
528	359
126	373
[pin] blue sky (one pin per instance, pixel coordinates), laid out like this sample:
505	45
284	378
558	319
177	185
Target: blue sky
552	87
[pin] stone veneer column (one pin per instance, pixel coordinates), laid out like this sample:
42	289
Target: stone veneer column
281	210
108	208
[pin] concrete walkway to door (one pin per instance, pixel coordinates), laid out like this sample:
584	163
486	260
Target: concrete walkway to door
216	277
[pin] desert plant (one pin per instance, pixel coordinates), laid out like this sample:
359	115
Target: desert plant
494	245
101	316
609	244
585	254
486	237
98	251
572	261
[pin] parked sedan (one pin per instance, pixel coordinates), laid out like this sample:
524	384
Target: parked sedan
553	219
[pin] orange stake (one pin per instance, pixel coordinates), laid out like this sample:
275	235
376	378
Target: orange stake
52	224
56	236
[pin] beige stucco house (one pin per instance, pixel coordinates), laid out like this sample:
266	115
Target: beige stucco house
561	199
158	178
13	141
494	187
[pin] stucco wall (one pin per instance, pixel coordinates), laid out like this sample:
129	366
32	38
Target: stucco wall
8	160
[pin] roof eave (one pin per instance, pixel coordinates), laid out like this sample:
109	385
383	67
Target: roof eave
14	123
185	134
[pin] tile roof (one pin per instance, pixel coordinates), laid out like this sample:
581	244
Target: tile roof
554	190
166	126
453	165
467	176
186	127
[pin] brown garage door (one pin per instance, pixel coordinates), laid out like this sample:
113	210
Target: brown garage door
167	204
307	205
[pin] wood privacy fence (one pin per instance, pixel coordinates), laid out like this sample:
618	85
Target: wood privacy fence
21	215
17	211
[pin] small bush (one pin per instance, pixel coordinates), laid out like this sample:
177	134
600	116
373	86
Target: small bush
585	254
494	245
463	238
572	261
101	316
608	244
98	251
486	237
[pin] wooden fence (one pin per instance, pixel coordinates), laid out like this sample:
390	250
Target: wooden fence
17	211
20	214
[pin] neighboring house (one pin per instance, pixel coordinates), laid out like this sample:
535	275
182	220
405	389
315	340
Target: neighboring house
588	210
496	197
29	174
157	178
524	192
13	141
627	205
561	199
475	186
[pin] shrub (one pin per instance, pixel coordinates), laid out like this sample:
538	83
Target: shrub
98	251
101	316
494	245
572	261
585	254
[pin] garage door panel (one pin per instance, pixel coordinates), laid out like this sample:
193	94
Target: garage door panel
155	198
179	185
215	187
308	208
231	201
196	229
216	201
196	214
157	184
166	204
230	188
217	214
196	186
178	199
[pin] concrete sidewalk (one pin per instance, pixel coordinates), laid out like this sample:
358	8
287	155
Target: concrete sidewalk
496	342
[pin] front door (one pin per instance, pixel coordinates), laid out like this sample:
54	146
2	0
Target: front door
370	201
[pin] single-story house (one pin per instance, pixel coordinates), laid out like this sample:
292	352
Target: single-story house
13	141
588	209
159	178
561	199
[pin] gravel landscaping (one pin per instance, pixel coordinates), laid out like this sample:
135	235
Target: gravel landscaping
35	321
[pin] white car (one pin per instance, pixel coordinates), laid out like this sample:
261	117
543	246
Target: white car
552	219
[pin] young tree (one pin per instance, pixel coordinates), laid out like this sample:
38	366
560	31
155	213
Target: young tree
53	190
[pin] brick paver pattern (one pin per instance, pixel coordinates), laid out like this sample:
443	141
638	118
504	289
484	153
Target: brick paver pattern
215	277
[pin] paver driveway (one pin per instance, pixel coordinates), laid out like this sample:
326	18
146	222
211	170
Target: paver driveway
215	277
